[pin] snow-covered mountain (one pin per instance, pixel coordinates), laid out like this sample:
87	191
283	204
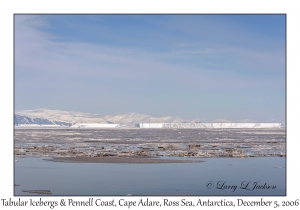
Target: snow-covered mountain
58	117
21	120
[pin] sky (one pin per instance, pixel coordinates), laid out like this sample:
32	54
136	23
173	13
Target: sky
204	67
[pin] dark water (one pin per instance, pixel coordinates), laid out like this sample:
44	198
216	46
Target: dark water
228	174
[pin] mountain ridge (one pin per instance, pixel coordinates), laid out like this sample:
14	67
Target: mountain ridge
47	117
60	117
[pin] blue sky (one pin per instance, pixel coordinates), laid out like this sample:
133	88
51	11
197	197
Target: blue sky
193	66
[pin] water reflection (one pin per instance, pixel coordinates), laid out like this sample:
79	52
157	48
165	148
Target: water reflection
215	176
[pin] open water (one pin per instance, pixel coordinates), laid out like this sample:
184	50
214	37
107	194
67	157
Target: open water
216	176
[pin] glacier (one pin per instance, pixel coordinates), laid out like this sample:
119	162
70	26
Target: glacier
208	125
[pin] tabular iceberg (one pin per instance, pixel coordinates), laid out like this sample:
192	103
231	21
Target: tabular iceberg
94	125
209	125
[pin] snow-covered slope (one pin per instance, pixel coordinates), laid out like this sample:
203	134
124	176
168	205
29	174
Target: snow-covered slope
25	120
65	116
80	117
